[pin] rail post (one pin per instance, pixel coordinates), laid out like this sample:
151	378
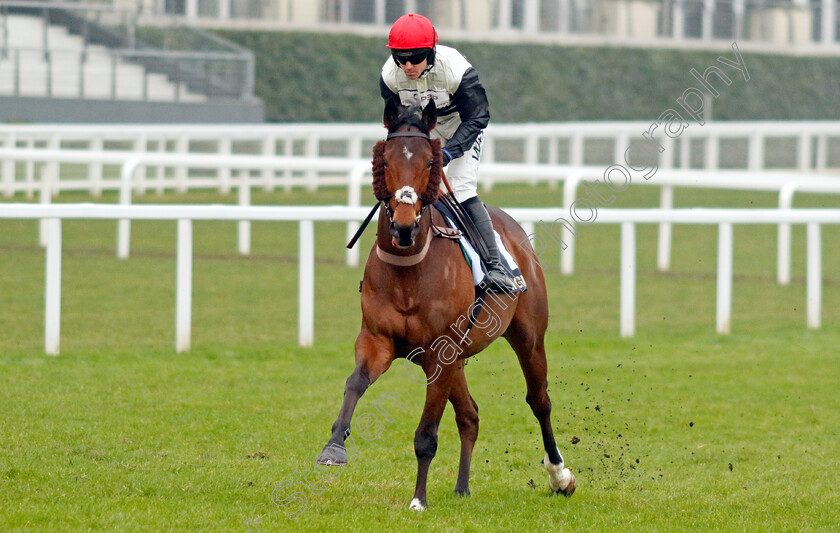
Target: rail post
183	286
628	279
52	304
306	287
724	278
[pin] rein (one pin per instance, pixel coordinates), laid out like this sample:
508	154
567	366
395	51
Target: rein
363	226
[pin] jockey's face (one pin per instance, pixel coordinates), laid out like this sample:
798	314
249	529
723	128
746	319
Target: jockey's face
413	71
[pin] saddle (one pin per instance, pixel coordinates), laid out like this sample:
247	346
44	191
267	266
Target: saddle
455	230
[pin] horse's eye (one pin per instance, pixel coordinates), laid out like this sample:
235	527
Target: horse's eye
429	163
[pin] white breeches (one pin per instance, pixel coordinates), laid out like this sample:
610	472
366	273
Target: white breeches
462	173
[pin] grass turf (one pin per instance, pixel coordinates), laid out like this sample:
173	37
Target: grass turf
676	429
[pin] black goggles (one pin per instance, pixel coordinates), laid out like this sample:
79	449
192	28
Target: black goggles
415	57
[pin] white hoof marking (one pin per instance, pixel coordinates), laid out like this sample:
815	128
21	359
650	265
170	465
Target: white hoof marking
415	505
558	476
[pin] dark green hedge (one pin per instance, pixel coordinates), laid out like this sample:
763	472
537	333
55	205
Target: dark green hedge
328	77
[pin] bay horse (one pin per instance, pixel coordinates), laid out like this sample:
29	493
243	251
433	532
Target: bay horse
416	294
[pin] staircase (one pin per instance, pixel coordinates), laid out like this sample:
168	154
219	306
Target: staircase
47	61
81	62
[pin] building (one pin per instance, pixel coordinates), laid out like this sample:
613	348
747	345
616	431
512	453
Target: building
667	22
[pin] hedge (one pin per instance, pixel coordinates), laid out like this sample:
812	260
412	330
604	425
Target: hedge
332	77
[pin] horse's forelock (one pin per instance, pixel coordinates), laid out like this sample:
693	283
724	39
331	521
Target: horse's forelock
409	116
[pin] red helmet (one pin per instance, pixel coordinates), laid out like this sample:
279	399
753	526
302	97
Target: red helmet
412	31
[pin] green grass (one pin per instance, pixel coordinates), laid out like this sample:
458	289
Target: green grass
680	429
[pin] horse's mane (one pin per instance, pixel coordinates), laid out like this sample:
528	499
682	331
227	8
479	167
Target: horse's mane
410	117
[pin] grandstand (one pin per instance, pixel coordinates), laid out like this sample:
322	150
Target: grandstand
73	62
71	68
768	24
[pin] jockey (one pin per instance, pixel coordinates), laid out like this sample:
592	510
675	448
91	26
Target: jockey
419	70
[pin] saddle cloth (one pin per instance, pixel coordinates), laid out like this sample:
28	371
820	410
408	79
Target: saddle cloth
474	260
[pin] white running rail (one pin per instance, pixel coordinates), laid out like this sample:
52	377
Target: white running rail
811	145
354	171
306	216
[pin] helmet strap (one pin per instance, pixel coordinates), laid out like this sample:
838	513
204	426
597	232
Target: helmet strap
433	53
430	61
434	48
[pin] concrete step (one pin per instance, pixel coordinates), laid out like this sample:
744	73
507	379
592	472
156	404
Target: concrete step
26	33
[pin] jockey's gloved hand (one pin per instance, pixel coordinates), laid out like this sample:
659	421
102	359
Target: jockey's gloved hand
447	157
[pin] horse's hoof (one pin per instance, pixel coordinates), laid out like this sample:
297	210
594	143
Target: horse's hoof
333	455
570	488
329	462
560	478
463	493
417	505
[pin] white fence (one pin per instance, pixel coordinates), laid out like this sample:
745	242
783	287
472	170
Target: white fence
353	171
792	145
786	184
184	215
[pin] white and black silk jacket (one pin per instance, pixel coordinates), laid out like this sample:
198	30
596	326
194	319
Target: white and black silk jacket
453	84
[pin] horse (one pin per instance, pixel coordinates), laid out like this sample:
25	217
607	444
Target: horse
418	295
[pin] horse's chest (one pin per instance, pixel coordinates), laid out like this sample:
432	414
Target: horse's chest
413	316
431	320
407	301
417	307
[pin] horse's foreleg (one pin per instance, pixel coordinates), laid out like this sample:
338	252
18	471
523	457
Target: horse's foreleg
466	416
335	453
426	436
373	357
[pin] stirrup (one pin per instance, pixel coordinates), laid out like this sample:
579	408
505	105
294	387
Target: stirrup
498	281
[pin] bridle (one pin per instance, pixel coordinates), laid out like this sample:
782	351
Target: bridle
386	202
408	134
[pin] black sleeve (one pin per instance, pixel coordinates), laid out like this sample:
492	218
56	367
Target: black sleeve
387	93
471	102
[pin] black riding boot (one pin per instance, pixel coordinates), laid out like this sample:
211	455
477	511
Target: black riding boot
497	278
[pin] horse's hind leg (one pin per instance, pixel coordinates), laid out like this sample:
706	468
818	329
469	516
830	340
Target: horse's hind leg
529	346
466	416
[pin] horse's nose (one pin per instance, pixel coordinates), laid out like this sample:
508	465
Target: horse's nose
403	236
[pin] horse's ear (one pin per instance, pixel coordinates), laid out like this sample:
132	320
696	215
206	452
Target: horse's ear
392	111
430	115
